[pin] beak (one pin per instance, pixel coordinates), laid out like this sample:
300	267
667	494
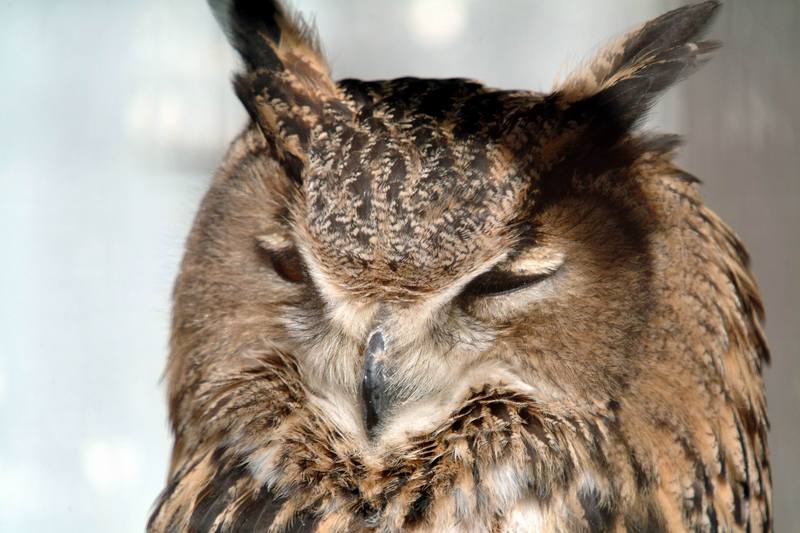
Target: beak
376	400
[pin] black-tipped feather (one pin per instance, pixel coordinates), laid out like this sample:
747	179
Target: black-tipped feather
286	84
252	28
621	85
666	32
628	100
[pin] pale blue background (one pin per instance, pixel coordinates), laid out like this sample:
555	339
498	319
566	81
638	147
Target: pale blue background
113	116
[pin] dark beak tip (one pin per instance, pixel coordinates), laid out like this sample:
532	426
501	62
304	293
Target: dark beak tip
374	383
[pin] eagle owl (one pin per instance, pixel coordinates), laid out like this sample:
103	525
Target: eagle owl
430	305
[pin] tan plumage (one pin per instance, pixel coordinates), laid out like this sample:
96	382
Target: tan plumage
427	305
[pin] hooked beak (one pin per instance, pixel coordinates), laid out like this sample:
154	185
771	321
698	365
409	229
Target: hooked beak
375	398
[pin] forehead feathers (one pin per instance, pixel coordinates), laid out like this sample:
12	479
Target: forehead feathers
418	184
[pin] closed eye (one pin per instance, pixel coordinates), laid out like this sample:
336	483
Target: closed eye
287	263
497	282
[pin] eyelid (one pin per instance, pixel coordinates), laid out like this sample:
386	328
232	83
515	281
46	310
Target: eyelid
274	241
546	261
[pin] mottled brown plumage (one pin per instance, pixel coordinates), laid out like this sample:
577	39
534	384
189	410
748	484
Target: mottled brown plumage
427	305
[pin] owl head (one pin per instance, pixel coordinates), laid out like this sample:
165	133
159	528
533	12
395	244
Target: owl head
406	240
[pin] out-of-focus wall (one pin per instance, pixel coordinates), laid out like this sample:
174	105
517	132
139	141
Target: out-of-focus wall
113	116
743	139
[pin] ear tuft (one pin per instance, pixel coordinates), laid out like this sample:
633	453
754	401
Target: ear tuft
266	36
286	86
624	79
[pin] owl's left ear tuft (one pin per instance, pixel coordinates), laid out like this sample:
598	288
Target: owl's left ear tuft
617	88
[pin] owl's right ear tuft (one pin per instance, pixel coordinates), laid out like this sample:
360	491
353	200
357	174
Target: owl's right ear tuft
286	83
620	84
268	37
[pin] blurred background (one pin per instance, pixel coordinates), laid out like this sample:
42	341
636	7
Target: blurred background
114	115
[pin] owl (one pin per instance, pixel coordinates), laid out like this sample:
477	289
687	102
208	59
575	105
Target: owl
430	305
